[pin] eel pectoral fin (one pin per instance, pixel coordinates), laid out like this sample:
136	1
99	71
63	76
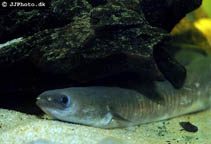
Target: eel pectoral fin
118	119
113	119
116	116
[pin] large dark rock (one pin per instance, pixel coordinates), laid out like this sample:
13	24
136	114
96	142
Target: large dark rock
76	43
16	22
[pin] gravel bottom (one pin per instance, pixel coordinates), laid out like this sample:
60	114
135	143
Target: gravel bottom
20	128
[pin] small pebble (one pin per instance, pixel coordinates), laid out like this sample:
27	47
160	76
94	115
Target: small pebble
188	126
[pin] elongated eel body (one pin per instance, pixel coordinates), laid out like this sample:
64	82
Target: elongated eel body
111	107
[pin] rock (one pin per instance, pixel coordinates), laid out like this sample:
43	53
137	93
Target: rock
90	41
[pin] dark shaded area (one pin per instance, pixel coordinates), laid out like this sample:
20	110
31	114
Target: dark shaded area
171	69
148	89
167	13
22	83
96	3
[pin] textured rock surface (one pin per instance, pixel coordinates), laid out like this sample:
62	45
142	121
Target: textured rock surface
61	12
18	22
18	128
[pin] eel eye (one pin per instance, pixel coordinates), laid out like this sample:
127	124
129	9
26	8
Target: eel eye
64	100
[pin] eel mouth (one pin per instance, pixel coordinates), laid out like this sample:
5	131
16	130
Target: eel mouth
44	104
46	107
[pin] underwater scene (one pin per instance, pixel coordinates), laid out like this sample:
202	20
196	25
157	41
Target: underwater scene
105	72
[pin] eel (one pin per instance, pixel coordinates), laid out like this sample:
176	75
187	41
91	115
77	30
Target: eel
114	107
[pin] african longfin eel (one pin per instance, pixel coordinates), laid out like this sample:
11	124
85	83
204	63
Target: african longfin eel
111	107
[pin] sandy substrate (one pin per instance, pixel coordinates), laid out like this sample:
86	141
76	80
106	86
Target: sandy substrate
19	128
